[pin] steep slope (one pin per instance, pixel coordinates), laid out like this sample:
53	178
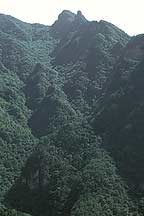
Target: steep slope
37	85
14	27
85	57
67	22
23	45
16	140
69	174
51	80
119	115
90	36
52	112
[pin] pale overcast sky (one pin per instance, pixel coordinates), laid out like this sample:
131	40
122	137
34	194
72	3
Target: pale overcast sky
126	14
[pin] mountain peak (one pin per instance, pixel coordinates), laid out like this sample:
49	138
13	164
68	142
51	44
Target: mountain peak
79	13
66	15
80	17
66	22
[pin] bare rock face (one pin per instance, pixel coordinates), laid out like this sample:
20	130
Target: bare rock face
66	16
67	22
63	24
80	17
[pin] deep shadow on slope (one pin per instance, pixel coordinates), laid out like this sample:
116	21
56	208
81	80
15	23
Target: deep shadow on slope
120	115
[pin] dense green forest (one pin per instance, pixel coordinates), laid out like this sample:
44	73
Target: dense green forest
71	118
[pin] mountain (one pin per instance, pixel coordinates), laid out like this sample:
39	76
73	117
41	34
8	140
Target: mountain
120	113
71	118
67	22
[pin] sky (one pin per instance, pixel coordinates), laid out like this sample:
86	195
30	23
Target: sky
126	14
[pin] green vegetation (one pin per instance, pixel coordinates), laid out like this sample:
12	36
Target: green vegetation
71	139
9	212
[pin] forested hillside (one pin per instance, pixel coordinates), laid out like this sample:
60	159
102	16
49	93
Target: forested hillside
71	118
